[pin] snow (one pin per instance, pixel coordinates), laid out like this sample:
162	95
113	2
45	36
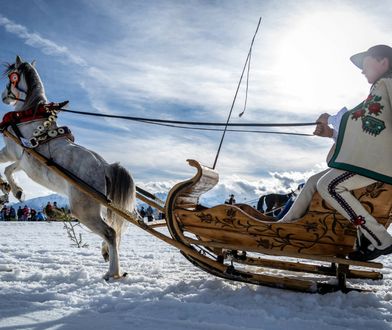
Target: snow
54	285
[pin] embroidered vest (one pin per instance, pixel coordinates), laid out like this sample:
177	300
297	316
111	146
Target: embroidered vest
364	143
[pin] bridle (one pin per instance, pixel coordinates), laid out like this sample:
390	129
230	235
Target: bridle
14	78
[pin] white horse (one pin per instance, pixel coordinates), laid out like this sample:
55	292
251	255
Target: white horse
26	93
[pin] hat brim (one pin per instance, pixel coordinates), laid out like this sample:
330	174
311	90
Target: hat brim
357	59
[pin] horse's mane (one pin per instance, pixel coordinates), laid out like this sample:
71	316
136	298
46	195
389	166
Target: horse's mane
8	69
35	91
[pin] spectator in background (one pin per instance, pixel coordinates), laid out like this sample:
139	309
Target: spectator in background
231	200
149	214
58	213
26	213
142	212
20	213
40	216
3	213
33	214
7	214
12	213
48	210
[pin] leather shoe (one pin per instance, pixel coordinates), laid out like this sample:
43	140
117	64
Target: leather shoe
365	254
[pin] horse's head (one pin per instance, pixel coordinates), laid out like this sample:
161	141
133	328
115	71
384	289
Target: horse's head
24	88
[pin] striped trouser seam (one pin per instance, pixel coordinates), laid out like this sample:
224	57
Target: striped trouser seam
343	203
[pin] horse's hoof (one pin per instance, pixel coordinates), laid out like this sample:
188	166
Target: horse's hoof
105	257
119	277
109	278
20	196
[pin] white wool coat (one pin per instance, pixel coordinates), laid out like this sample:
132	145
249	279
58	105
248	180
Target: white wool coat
364	142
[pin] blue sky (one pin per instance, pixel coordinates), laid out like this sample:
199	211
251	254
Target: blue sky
182	60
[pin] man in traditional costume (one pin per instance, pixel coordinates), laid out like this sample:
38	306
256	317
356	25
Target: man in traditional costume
362	155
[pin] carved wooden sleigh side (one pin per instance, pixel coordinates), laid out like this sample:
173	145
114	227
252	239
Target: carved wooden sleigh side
241	237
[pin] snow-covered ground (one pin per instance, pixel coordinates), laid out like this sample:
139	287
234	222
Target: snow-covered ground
53	285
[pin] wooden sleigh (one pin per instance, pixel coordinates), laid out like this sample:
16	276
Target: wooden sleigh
242	244
239	243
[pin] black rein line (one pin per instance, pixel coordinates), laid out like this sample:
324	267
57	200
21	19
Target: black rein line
181	122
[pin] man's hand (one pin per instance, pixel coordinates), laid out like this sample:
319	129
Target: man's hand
323	119
323	130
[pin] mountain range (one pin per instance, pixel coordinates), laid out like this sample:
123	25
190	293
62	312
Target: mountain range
39	203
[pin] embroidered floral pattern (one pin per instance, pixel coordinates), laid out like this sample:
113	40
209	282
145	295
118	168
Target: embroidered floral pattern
371	105
367	111
359	221
375	109
358	114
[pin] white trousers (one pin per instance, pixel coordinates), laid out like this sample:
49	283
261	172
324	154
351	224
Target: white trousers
302	202
334	186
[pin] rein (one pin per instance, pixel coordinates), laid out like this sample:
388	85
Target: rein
182	122
13	96
190	125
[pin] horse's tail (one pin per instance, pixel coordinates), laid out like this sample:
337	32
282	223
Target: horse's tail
260	204
121	191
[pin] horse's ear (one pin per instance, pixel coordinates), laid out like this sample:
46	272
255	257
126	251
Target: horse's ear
33	63
18	61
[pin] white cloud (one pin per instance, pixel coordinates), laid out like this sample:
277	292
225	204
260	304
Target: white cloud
35	40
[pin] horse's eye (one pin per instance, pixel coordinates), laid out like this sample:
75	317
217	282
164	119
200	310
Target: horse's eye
14	78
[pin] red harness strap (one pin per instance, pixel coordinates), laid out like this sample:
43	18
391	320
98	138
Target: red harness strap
23	116
42	112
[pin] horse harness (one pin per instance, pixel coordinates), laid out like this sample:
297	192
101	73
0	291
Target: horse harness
44	132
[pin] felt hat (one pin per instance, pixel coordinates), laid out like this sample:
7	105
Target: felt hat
375	51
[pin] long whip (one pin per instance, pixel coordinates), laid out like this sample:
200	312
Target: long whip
235	96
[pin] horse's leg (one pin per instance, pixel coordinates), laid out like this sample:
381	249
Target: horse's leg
9	171
270	202
89	213
5	156
279	202
260	204
5	188
4	199
105	251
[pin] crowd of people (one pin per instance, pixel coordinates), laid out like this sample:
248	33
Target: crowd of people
50	212
150	214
